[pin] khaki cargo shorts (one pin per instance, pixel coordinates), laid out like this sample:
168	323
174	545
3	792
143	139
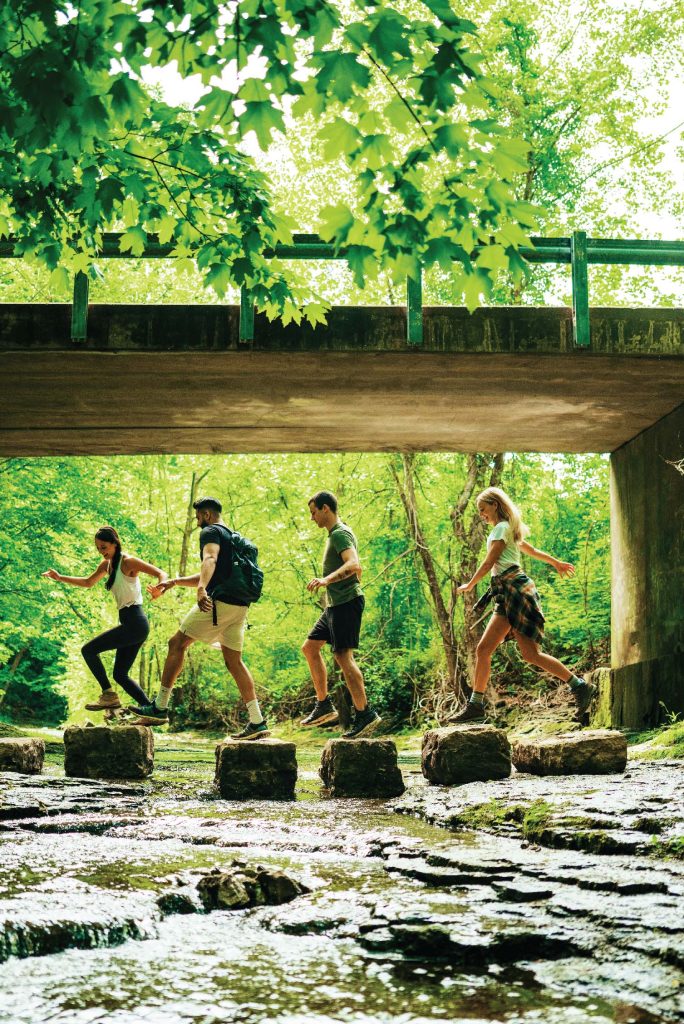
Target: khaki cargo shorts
229	631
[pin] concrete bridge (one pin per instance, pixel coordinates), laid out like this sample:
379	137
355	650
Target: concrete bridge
178	379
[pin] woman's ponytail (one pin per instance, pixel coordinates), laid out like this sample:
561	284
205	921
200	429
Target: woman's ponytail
109	534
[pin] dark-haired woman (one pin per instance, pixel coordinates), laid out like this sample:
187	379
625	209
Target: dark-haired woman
128	637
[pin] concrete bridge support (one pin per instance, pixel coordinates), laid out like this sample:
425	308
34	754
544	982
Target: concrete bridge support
647	540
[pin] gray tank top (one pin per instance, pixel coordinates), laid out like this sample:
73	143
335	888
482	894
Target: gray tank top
126	589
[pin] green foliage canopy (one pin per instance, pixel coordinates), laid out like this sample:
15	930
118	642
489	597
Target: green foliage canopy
86	147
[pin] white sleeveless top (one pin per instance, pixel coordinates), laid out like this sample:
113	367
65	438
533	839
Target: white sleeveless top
126	589
511	552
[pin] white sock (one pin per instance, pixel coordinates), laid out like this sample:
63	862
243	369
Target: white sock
254	712
163	697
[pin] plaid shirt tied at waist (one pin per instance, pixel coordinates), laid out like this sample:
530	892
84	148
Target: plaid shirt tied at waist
516	597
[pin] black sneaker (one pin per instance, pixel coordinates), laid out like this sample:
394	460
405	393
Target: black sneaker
252	732
583	693
365	722
324	713
150	714
471	713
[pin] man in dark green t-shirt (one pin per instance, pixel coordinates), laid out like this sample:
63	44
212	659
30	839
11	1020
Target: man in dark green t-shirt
340	623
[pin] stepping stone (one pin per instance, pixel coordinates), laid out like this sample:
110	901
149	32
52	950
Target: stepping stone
263	769
361	768
22	755
590	752
465	753
100	752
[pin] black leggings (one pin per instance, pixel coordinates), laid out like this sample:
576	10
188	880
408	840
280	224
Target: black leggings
126	639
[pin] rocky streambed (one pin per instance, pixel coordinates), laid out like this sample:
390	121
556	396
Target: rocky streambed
526	899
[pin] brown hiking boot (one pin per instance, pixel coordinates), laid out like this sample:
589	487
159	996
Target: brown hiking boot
107	701
583	695
470	713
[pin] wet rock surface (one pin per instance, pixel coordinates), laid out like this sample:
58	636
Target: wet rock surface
465	753
21	755
101	752
264	769
589	752
361	768
402	921
640	812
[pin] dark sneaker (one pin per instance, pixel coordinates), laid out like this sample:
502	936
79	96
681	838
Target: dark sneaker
471	713
364	723
150	714
252	732
584	693
324	713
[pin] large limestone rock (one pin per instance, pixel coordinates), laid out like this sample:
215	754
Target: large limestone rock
361	768
22	755
256	769
99	752
590	752
458	754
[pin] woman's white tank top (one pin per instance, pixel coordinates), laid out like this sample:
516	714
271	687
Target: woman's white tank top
126	589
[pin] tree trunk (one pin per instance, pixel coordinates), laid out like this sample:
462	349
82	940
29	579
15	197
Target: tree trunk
482	471
189	523
443	615
14	665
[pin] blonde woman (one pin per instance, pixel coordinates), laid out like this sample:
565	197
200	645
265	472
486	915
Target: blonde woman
517	607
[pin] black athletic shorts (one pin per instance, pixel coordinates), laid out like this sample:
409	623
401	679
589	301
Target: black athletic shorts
340	625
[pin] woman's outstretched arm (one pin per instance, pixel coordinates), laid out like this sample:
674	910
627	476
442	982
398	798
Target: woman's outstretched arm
78	581
563	568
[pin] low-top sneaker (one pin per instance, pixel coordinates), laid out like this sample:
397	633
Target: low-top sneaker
324	713
365	722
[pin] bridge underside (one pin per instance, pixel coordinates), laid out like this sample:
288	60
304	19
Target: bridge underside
176	379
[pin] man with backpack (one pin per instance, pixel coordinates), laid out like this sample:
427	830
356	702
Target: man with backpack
227	583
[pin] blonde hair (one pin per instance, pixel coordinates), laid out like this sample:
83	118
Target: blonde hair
506	509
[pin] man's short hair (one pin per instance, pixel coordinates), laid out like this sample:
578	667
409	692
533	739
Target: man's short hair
211	503
322	498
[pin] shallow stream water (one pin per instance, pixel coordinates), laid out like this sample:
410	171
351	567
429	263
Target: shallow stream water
406	922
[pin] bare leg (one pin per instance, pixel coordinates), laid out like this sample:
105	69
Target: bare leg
353	677
311	649
178	645
495	633
240	673
531	653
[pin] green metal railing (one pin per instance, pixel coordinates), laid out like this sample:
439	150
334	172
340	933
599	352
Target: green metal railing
578	250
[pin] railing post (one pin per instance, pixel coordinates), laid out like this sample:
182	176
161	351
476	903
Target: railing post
79	308
580	289
246	316
414	309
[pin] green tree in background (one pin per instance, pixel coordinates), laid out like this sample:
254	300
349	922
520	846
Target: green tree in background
586	86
